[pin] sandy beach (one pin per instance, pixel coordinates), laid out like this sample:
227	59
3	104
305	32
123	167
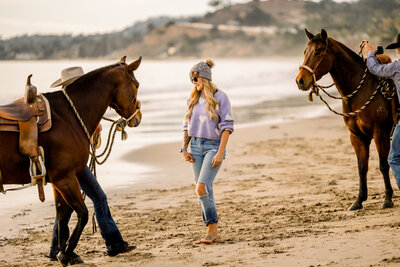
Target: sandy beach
282	195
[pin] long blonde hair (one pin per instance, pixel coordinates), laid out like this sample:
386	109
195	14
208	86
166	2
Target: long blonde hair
212	104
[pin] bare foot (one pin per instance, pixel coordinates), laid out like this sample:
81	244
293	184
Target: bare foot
208	239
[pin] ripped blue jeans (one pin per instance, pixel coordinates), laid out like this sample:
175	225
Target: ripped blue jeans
203	151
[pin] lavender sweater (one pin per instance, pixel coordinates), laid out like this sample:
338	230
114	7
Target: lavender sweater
201	125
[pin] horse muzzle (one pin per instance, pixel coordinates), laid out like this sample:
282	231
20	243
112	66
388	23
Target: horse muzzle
303	83
137	118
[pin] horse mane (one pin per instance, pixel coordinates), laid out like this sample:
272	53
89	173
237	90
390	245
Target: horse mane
348	51
88	77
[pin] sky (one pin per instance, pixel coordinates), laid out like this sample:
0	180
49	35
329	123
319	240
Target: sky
19	17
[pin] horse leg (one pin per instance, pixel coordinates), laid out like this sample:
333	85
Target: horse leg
61	230
70	191
361	147
382	143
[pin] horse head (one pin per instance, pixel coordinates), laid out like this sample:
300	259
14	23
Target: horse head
317	62
124	99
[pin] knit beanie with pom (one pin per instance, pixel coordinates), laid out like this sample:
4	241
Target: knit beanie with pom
202	69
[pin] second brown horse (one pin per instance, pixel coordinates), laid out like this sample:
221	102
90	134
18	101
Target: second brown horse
325	55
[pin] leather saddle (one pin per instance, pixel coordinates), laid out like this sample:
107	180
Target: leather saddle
18	110
31	107
29	115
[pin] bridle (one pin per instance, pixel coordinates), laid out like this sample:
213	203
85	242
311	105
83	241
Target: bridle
123	120
312	71
134	99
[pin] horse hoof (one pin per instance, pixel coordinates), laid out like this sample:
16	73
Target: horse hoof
387	204
66	260
355	206
75	260
63	259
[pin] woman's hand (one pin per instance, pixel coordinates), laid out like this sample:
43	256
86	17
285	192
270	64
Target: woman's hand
187	156
217	159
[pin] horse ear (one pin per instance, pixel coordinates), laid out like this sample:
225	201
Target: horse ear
134	65
309	34
324	35
122	60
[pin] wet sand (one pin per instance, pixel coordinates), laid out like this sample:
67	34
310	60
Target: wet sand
282	196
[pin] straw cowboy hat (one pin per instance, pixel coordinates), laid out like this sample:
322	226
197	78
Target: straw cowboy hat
396	44
68	76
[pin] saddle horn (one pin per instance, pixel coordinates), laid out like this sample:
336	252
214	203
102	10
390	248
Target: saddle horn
30	91
28	80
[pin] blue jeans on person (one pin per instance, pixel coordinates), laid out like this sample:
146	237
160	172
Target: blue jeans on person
203	151
394	155
108	228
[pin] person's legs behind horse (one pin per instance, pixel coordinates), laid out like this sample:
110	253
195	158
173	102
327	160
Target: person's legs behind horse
108	228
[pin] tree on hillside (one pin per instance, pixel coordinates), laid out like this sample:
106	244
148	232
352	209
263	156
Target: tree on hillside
217	4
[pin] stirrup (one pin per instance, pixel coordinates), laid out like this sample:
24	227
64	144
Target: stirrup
39	179
33	169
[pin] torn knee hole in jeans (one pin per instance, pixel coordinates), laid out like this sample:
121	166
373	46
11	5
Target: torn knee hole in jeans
202	197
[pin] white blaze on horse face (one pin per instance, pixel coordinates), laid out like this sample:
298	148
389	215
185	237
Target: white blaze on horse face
308	54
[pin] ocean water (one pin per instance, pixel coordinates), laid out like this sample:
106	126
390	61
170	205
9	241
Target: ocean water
261	91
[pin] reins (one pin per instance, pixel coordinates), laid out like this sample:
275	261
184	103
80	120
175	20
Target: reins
383	87
117	125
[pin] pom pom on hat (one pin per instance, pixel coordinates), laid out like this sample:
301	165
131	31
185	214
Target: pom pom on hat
210	63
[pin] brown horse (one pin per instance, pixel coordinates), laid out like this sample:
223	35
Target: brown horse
324	54
66	145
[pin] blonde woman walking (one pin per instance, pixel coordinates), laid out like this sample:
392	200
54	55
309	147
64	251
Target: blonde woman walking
207	126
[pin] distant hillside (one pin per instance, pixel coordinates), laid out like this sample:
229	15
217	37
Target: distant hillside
253	29
259	13
82	46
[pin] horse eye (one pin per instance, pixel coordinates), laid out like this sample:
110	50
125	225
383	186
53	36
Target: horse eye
317	52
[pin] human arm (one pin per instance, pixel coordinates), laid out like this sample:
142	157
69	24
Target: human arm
216	161
185	144
225	126
382	70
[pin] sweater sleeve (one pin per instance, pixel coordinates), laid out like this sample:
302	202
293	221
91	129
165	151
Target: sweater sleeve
225	113
382	70
185	122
